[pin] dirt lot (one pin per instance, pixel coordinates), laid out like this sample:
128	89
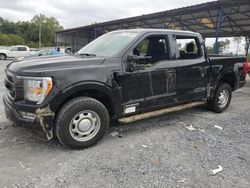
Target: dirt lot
159	152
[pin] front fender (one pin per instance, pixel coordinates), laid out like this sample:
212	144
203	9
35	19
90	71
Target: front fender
112	92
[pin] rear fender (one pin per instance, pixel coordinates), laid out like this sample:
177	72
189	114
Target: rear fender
233	72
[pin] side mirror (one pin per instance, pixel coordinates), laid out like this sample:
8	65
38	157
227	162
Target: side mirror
138	62
139	59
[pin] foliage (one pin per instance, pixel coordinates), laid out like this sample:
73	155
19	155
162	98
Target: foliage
237	40
29	30
143	47
209	50
10	39
224	44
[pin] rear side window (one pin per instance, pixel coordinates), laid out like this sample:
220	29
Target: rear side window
187	47
21	49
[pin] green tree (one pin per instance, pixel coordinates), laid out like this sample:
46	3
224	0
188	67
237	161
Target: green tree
10	39
29	30
209	50
49	25
237	40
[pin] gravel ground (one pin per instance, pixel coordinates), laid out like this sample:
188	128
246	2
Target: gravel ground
158	152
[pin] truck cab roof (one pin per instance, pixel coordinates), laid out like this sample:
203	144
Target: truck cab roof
169	31
20	46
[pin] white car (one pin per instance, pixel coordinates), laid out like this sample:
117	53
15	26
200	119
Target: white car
14	52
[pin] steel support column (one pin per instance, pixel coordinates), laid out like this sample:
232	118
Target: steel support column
73	42
55	44
218	26
64	42
95	32
77	38
247	44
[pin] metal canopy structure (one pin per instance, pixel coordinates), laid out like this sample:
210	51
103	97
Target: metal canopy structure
222	18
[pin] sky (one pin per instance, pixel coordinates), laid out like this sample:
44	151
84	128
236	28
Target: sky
75	13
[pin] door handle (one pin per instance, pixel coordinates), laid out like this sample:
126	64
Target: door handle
202	71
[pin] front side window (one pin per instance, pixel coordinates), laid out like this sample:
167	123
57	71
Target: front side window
155	47
186	47
13	48
109	45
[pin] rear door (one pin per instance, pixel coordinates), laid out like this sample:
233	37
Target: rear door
192	71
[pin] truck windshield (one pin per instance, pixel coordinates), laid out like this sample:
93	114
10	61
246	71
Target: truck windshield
108	45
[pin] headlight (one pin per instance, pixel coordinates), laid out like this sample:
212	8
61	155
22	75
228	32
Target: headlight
36	89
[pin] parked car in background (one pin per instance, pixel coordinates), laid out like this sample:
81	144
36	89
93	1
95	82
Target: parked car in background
14	52
44	52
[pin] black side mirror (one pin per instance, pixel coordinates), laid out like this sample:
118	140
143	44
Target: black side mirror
138	62
139	59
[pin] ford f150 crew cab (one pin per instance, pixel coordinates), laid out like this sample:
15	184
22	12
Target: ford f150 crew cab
14	52
119	74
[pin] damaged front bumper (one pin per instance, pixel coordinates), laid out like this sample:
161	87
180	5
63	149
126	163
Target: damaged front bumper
42	118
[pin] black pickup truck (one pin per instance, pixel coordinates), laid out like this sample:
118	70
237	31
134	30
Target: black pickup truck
119	74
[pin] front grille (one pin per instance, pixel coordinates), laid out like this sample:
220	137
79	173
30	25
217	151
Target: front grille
14	87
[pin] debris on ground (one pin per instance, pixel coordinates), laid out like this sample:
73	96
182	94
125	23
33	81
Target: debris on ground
21	165
2	128
190	127
218	127
156	162
145	146
217	170
195	147
114	133
183	180
242	158
202	130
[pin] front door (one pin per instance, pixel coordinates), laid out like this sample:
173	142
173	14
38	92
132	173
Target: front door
154	83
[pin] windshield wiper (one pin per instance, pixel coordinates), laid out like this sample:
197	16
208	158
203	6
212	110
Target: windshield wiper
87	54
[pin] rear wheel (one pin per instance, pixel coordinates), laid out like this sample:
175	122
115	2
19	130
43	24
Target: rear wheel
221	99
3	57
82	122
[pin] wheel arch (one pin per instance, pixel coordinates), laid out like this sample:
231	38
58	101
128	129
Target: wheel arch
1	53
99	91
230	77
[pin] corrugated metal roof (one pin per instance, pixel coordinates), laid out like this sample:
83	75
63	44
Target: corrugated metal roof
202	18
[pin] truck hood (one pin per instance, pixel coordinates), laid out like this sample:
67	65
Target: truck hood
47	64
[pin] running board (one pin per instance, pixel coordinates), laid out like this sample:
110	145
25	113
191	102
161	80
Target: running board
146	115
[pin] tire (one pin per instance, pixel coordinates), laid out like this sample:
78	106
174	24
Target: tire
221	99
3	57
81	122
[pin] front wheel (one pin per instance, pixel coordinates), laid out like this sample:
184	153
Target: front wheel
221	99
82	122
3	57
